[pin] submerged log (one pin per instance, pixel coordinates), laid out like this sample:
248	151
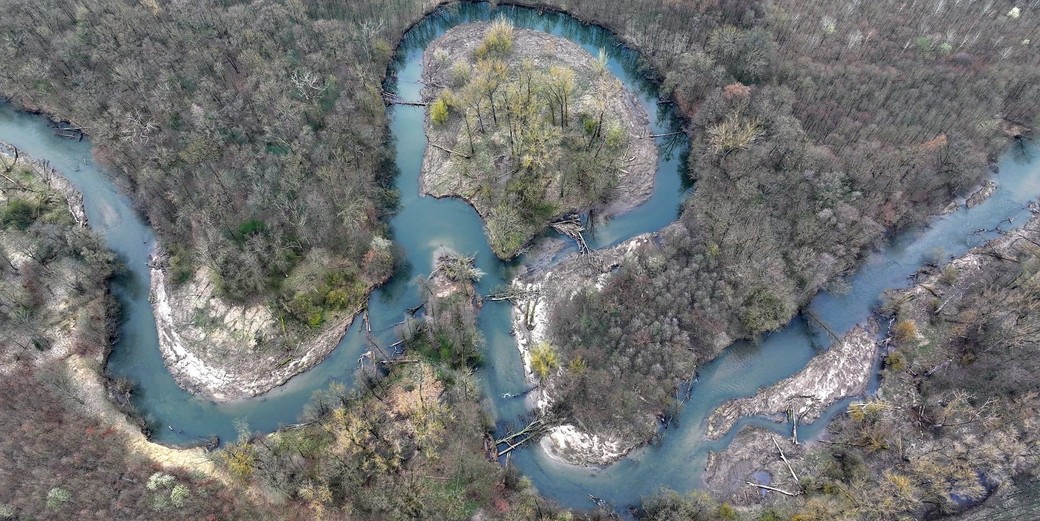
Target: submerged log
409	103
69	133
605	505
834	336
511	293
390	98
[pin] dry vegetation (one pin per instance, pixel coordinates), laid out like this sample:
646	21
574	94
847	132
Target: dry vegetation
412	442
64	455
53	274
253	135
527	126
954	421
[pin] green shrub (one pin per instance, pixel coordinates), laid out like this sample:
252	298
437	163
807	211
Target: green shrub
498	42
924	44
439	111
337	298
181	267
304	309
179	494
249	228
19	214
460	73
544	360
615	135
727	512
764	311
57	497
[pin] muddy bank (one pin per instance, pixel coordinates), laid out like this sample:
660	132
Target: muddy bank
753	457
843	371
443	176
223	351
977	196
980	195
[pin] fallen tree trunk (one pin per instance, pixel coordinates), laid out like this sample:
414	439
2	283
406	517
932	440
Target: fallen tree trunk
767	487
448	150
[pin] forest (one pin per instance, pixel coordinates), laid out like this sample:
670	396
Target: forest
411	442
253	135
824	142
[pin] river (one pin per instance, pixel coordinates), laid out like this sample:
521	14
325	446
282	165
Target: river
424	224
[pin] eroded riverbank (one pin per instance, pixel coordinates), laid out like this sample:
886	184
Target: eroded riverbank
225	351
844	370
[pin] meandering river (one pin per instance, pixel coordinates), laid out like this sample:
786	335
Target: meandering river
423	224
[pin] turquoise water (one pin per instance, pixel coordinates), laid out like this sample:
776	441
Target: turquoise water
424	224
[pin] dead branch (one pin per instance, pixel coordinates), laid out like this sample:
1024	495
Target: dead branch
930	290
834	336
536	426
783	457
794	428
571	226
938	367
767	487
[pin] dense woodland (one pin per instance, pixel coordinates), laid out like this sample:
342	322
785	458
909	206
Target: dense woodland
816	128
253	134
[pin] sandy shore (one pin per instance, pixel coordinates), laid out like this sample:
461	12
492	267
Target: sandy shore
843	371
